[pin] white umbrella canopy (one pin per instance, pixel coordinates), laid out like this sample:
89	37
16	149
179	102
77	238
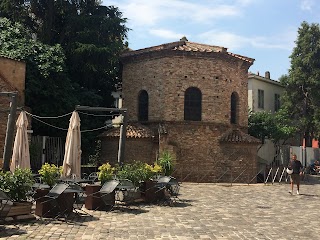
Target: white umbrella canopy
20	153
72	157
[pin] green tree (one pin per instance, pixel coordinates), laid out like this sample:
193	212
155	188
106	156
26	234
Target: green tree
274	126
301	100
16	11
48	89
91	37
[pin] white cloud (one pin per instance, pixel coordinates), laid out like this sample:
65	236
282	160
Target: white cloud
307	5
232	41
165	33
149	13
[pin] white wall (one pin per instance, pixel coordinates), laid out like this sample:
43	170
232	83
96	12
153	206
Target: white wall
270	87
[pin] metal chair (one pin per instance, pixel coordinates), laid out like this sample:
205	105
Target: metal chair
171	188
107	194
93	177
5	206
52	198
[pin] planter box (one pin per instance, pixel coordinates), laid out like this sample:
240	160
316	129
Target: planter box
152	193
20	208
93	200
128	196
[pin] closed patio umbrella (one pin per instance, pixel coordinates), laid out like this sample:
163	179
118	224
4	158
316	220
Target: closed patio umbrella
20	153
72	156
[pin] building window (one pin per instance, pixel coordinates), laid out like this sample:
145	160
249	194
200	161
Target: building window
234	108
276	102
260	98
192	104
143	106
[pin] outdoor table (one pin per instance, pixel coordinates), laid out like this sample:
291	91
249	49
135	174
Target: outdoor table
75	180
40	186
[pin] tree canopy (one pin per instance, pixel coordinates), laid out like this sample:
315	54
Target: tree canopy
274	126
72	50
48	89
301	100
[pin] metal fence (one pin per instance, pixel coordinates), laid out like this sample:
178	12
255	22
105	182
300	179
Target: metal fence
45	149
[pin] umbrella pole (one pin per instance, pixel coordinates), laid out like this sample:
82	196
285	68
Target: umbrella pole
7	152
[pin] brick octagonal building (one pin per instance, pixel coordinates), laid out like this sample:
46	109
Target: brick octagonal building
193	97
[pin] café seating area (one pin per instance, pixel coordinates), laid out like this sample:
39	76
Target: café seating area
77	196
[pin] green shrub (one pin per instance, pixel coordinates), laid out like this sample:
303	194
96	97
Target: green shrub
138	172
167	162
105	173
50	173
17	184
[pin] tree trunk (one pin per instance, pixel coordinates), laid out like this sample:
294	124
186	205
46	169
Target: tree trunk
308	139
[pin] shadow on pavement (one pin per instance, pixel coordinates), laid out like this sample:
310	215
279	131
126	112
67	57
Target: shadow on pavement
11	230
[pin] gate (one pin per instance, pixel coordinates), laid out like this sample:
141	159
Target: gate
45	149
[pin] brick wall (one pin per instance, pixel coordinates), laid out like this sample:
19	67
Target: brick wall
14	72
136	149
166	76
12	78
202	158
166	79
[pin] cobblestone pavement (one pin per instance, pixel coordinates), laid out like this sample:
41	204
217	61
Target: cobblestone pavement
207	211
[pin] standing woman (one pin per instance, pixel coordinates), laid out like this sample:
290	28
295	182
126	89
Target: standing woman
296	166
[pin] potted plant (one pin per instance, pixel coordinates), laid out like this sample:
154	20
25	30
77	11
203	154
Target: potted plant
105	173
50	173
17	185
149	189
135	172
93	200
167	162
140	174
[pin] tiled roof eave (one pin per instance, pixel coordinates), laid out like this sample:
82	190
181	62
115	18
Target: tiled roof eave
183	46
135	131
235	136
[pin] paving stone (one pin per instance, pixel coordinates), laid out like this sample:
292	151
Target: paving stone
206	211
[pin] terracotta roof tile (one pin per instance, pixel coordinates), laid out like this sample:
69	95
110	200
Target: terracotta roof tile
237	136
188	47
197	47
133	131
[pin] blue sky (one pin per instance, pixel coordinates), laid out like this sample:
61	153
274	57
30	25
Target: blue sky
261	29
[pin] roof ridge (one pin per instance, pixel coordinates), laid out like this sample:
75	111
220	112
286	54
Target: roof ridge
209	45
186	46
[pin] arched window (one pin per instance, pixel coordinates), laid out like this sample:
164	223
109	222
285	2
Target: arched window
234	108
143	105
192	104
